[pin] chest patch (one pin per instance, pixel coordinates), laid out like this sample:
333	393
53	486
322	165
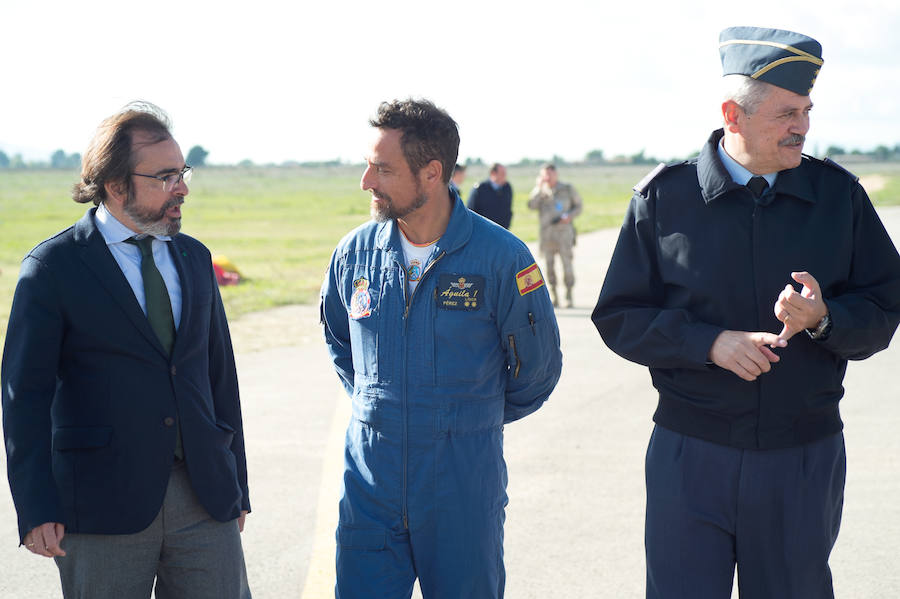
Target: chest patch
459	292
360	301
414	270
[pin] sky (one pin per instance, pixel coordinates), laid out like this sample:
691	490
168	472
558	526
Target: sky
273	81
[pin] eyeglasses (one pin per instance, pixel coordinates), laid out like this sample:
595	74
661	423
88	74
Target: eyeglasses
171	181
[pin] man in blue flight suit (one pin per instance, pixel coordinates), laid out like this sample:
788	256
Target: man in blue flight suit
746	279
442	331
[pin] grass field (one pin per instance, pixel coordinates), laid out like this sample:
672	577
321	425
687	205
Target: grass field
280	225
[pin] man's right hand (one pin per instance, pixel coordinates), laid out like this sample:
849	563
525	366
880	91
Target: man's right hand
45	539
745	354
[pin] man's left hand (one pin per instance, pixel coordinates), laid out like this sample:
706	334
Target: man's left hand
798	311
241	519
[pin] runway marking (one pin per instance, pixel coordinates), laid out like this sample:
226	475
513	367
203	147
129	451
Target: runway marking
320	575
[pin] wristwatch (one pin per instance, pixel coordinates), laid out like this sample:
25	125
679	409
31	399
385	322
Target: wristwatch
822	329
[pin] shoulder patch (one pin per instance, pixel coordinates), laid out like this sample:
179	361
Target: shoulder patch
643	183
528	279
837	166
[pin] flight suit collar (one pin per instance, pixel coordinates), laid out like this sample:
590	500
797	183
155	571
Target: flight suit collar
459	229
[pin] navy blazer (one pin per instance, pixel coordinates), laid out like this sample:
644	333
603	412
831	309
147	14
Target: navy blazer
90	397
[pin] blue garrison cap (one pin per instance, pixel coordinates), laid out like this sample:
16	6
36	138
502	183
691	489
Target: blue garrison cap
783	58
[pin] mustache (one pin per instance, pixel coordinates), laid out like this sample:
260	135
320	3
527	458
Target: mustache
792	140
172	203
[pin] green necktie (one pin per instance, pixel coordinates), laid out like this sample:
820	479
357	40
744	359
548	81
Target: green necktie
159	310
159	307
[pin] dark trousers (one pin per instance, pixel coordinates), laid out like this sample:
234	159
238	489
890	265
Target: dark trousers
773	513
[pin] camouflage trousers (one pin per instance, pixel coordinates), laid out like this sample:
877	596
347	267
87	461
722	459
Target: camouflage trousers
565	255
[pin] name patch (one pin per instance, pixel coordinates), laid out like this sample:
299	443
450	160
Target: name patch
459	292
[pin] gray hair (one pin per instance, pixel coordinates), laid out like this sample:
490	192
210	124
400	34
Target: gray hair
746	92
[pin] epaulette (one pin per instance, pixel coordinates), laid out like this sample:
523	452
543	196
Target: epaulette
643	183
834	165
641	187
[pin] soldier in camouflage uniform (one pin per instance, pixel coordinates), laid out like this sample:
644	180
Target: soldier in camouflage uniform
557	204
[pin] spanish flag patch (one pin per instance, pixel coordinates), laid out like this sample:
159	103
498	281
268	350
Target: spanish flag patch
529	279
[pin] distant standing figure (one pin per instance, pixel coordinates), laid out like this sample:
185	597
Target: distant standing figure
492	198
557	204
457	179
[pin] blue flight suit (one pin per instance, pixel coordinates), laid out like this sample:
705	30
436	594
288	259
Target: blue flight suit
433	378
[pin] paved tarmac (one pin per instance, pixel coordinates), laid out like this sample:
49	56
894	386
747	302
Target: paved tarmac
575	518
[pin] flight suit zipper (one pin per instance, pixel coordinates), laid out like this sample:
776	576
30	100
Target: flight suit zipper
404	407
512	347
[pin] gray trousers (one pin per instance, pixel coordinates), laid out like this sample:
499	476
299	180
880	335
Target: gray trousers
188	554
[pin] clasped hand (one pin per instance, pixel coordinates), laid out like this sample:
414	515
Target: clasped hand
749	354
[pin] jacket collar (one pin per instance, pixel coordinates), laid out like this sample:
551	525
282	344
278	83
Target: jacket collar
459	229
715	181
86	229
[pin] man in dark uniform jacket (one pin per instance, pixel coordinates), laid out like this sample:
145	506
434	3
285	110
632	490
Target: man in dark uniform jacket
492	198
746	279
124	440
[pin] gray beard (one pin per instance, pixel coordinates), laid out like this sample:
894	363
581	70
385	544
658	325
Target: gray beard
153	223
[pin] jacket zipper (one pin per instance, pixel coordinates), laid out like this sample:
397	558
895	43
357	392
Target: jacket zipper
753	252
512	345
404	406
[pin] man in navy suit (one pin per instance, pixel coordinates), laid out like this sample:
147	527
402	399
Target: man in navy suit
121	415
492	198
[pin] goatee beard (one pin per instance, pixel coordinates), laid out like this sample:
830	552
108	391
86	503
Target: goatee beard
154	223
385	210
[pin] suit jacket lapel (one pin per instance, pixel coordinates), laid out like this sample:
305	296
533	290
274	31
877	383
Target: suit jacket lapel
100	261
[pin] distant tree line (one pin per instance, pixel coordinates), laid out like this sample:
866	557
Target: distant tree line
594	157
197	157
879	154
58	159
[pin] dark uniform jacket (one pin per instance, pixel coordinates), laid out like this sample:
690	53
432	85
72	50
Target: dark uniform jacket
90	396
493	204
697	255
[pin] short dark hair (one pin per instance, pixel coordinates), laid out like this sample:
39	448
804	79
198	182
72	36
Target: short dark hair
427	133
548	166
110	156
459	168
496	167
